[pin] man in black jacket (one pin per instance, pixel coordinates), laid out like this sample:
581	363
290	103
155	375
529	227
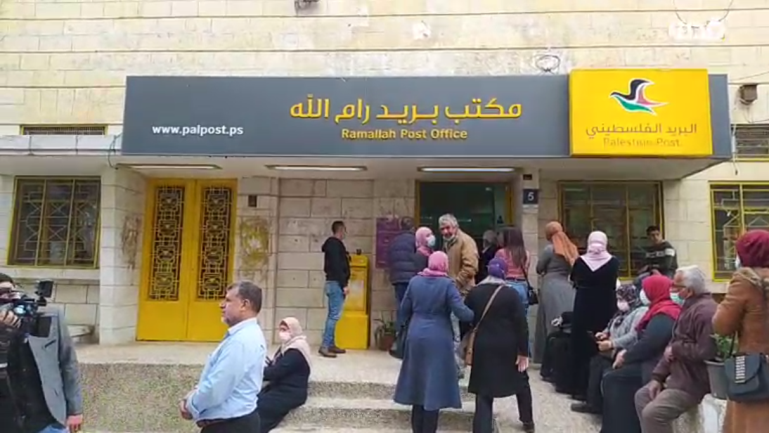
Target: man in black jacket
400	258
336	264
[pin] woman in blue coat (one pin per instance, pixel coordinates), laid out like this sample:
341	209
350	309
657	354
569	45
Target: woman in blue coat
428	376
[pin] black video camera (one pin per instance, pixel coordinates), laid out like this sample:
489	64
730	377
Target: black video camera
25	307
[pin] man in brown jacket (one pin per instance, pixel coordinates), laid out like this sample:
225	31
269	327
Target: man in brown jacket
680	380
463	265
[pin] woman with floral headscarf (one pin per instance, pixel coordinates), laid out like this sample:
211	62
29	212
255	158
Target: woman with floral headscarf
744	312
594	276
287	376
428	376
620	334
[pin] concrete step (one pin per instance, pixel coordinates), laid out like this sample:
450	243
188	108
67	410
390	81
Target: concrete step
364	413
315	428
365	390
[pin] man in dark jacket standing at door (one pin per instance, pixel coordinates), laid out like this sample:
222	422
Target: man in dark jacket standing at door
400	258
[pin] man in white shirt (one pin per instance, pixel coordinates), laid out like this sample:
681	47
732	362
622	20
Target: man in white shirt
225	399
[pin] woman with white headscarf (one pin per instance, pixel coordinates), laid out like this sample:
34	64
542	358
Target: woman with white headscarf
594	276
287	376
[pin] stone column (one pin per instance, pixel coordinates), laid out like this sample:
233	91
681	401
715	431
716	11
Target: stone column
123	202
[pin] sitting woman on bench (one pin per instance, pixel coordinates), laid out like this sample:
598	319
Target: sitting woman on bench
287	376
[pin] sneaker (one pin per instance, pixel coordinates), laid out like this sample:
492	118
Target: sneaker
528	427
584	408
336	350
326	353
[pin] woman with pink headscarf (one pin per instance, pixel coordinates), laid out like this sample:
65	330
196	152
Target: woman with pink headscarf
425	243
594	276
428	377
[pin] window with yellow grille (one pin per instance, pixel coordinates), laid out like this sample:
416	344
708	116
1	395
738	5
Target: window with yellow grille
621	210
55	222
736	208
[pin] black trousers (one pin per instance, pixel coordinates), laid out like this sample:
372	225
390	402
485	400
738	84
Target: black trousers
244	424
619	389
599	366
484	407
424	421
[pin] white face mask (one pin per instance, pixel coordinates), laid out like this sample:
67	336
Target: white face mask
431	241
644	299
737	263
623	305
284	336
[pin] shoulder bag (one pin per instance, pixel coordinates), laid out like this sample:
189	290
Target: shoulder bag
747	374
467	343
532	294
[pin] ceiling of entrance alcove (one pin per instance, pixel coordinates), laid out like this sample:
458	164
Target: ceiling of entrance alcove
393	168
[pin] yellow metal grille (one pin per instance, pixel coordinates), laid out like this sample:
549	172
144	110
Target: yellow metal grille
166	250
214	256
622	210
63	130
737	208
56	222
752	141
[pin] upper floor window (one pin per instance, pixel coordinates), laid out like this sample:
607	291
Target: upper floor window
751	141
621	210
736	208
55	222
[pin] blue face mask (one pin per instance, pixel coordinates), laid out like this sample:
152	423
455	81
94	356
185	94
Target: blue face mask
675	297
644	299
431	241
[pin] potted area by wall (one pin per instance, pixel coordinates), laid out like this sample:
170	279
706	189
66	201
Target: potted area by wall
716	372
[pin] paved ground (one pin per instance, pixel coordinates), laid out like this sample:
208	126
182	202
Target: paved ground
551	410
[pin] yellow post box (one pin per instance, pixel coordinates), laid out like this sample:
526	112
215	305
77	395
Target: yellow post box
352	330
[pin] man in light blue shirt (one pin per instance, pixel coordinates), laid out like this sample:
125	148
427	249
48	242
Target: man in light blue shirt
225	399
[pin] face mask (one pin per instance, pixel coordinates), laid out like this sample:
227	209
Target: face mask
431	241
675	297
644	299
737	263
623	305
284	336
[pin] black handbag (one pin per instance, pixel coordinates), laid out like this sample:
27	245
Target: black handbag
399	345
747	374
533	296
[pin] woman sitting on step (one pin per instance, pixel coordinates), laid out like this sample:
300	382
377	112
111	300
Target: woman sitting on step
286	376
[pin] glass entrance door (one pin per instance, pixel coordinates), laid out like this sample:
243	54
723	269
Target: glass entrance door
478	206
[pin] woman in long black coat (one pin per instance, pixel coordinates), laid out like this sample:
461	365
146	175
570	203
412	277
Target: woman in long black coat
287	376
501	344
594	276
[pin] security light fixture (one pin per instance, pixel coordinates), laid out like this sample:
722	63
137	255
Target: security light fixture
170	166
466	169
315	168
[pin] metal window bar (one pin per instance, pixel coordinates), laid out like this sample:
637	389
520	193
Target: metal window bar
622	228
51	231
64	130
752	142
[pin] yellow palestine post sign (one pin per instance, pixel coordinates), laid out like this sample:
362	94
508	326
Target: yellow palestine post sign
640	112
405	120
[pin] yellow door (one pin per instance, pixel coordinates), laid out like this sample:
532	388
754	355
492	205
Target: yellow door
188	259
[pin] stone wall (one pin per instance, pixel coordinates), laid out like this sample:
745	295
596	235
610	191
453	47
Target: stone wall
123	201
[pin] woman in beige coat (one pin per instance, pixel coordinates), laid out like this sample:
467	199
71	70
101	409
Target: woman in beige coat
745	311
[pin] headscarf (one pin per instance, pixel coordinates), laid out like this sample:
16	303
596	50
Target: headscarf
753	249
298	340
562	245
596	255
629	294
437	265
657	289
496	270
421	235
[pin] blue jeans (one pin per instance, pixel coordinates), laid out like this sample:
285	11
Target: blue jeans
335	297
523	292
54	428
400	292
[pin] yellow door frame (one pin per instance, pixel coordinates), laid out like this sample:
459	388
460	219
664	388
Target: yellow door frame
186	318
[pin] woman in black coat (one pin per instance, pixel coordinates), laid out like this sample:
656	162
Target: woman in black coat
594	276
501	342
287	376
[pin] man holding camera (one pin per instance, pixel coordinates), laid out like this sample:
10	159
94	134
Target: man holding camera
39	378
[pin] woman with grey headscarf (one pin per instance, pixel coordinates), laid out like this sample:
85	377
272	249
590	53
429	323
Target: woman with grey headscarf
490	247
